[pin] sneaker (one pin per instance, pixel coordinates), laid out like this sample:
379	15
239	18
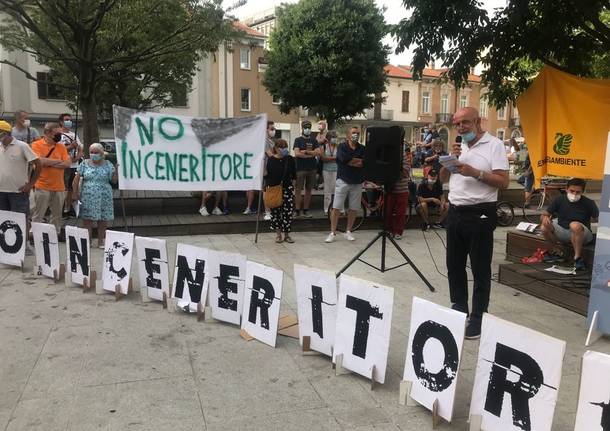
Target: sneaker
331	237
248	211
473	329
459	307
438	226
348	236
204	211
216	211
267	216
553	257
425	227
100	244
306	214
288	239
398	236
225	211
579	264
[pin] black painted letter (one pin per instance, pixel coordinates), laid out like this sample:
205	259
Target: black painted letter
152	268
526	387
78	257
225	286
316	310
195	284
16	246
116	246
261	285
364	312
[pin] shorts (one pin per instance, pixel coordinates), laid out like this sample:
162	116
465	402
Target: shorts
529	183
565	235
307	179
69	175
16	202
353	192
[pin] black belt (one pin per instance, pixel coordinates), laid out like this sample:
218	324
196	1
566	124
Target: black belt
476	208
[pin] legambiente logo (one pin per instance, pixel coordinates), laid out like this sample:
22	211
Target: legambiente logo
562	147
562	143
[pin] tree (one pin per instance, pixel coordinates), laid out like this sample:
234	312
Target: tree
327	56
138	53
512	44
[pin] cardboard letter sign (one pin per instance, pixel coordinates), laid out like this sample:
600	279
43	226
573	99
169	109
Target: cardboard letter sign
78	252
594	400
13	236
227	283
118	250
47	249
153	270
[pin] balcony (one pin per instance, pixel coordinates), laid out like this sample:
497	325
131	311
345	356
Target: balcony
514	122
444	118
386	114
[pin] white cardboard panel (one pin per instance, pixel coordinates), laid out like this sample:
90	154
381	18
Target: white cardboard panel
227	285
118	250
78	254
46	249
13	238
153	268
189	273
594	398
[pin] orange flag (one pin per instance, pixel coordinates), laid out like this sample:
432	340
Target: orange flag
565	122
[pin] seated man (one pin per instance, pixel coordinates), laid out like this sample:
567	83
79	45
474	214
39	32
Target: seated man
573	224
430	195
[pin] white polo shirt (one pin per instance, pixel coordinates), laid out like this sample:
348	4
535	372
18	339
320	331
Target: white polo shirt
14	161
488	154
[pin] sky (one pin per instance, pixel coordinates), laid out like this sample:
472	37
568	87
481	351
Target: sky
395	11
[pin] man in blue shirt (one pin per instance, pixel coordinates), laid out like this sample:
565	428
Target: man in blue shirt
350	163
306	149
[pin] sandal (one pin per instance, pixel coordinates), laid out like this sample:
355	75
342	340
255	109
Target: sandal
278	238
288	239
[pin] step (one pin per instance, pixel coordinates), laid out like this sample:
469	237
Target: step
567	291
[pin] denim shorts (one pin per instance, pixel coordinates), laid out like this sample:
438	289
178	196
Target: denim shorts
16	202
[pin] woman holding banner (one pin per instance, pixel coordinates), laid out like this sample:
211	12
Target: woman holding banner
92	187
281	169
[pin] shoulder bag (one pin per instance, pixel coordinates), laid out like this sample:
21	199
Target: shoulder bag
273	195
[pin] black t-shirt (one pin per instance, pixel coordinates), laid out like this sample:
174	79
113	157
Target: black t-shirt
280	171
345	172
423	191
566	211
303	143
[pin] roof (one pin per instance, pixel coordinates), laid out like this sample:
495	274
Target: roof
436	73
396	72
248	30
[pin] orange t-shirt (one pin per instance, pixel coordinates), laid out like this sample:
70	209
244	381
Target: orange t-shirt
51	179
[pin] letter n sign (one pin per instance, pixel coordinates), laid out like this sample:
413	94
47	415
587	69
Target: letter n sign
362	331
517	364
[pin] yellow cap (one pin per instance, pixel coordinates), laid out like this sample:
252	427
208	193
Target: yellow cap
5	127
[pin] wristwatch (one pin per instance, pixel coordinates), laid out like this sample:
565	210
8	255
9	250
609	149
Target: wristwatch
480	177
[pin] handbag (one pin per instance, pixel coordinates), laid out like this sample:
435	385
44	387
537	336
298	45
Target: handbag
273	195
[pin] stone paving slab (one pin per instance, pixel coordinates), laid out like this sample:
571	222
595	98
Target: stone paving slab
74	361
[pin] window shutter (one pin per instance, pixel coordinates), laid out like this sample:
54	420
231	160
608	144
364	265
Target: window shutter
42	85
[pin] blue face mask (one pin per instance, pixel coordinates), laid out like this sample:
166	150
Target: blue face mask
96	157
468	137
284	152
68	124
306	132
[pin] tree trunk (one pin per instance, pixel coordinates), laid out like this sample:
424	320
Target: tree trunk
91	132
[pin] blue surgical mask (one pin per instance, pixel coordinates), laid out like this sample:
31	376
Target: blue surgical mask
333	140
68	124
96	157
468	137
284	152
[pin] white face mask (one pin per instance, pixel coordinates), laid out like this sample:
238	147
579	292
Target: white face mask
572	197
26	123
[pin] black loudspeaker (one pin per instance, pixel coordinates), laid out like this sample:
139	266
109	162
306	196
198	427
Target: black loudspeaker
383	154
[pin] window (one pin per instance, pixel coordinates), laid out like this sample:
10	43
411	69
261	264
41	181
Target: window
276	100
179	97
444	103
405	101
483	108
500	134
245	99
425	102
244	58
46	89
502	113
463	100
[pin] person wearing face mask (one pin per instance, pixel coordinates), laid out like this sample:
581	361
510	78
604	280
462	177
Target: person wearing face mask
574	213
95	191
329	167
50	187
75	151
281	170
473	192
23	131
306	149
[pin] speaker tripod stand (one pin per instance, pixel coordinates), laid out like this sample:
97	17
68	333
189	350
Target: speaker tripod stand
386	236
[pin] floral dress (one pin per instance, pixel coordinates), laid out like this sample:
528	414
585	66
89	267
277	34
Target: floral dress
96	191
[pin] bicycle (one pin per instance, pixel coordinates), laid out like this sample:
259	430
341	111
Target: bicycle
505	213
535	205
367	210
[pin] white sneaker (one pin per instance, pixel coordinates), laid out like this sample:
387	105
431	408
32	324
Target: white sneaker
204	211
267	216
330	238
216	211
348	236
248	211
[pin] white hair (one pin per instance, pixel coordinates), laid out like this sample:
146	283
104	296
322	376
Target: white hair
97	146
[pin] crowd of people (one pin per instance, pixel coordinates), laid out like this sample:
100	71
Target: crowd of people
46	177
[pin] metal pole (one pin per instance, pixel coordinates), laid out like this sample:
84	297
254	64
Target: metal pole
258	214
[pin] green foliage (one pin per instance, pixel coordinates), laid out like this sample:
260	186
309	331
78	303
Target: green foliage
137	53
327	56
512	44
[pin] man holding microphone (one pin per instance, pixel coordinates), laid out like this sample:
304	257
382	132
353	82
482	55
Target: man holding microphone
482	169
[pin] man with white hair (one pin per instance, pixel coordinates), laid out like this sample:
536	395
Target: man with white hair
22	130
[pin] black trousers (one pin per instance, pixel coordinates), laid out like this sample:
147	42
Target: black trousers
470	233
